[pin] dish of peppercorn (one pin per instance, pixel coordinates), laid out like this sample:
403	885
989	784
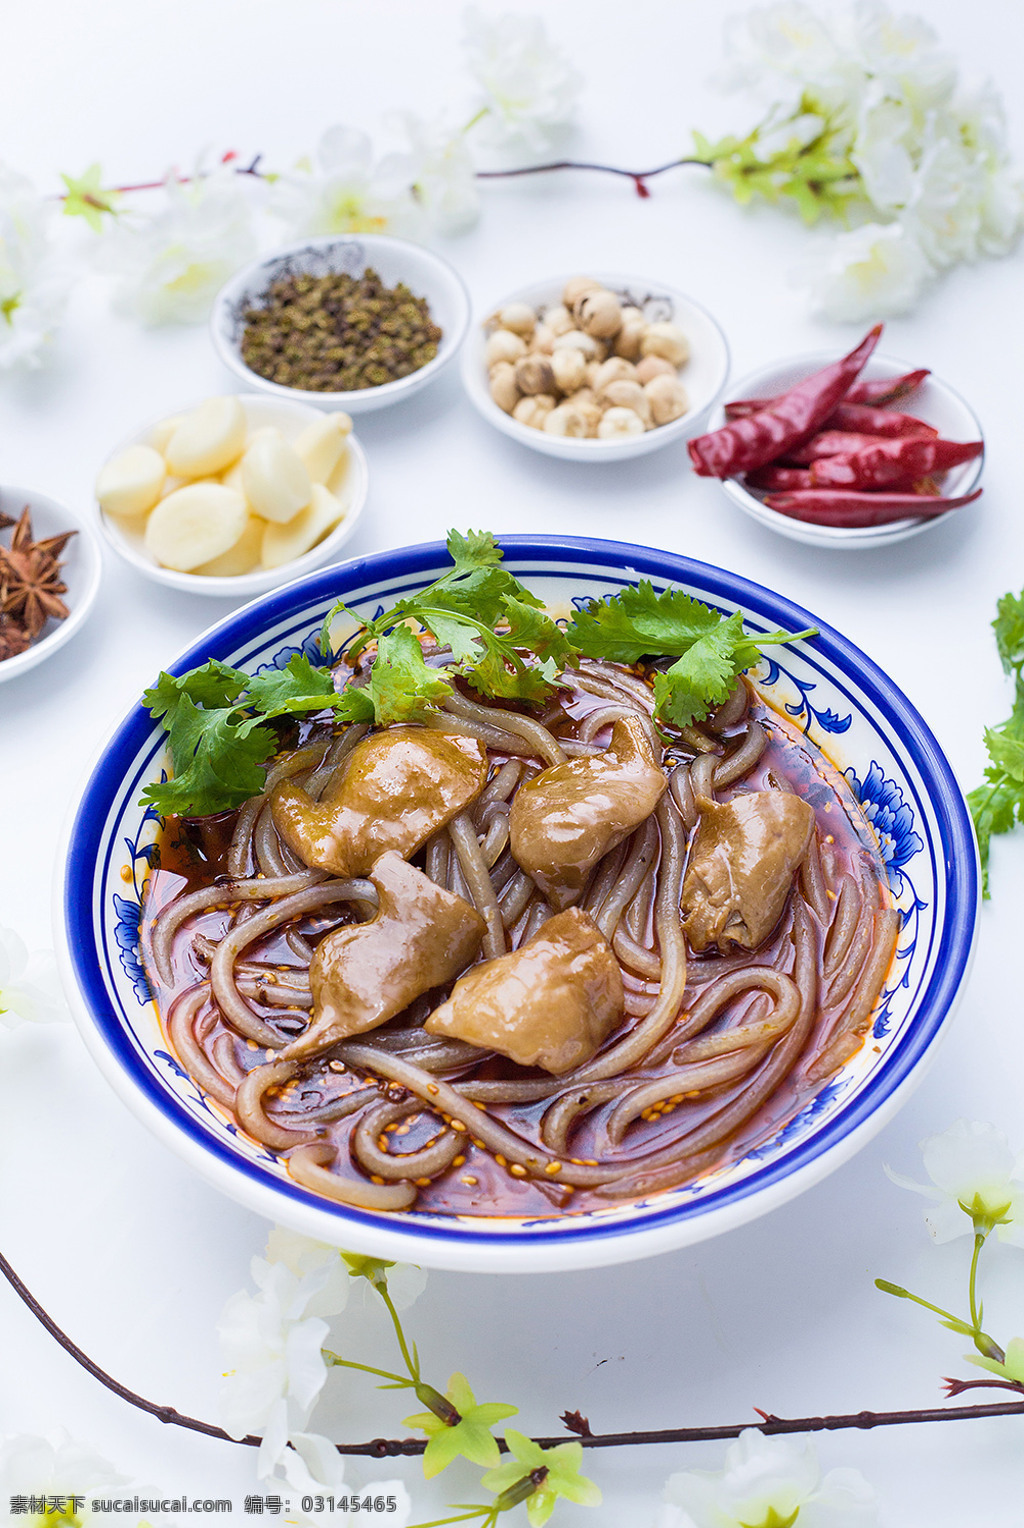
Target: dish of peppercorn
356	323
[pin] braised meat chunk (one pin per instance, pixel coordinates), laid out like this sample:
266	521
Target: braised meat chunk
365	974
397	788
742	863
569	816
550	1003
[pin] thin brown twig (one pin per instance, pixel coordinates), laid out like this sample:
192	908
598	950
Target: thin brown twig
382	1448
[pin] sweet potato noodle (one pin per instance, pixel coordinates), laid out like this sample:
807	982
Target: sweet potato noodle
693	974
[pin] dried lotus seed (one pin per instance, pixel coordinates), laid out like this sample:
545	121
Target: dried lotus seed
534	374
503	345
519	318
567	420
652	366
558	319
575	339
627	341
619	424
599	313
577	287
628	395
531	411
504	390
666	340
131	482
207	440
668	399
615	369
543	339
569	369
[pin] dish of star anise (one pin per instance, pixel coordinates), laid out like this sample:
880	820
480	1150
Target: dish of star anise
30	583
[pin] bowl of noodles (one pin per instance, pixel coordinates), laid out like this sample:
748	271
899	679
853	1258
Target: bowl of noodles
684	1066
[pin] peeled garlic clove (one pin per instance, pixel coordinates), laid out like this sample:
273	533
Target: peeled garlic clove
231	479
322	444
131	482
283	543
194	525
619	424
161	433
503	345
240	558
209	439
274	478
668	399
666	340
519	318
599	313
652	366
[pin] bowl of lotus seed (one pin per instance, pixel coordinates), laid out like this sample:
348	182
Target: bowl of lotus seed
596	368
234	495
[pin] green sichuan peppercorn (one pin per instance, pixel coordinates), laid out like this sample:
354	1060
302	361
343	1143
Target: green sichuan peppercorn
341	333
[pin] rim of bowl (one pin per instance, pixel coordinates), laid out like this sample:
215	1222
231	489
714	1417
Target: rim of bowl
474	379
92	571
259	580
848	537
581	1244
365	398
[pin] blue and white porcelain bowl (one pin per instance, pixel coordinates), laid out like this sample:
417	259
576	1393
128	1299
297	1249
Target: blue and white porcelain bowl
835	694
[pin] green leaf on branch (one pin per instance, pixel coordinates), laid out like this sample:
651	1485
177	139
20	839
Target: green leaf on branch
815	174
86	198
998	804
469	1438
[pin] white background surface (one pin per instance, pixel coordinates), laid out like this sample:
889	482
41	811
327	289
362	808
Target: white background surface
131	1253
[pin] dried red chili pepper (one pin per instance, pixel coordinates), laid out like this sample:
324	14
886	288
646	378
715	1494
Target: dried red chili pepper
887	389
866	420
833	443
891	461
774	479
823	506
787	421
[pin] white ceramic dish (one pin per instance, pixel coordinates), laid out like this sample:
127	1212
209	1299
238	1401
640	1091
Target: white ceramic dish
704	375
82	566
934	401
831	690
291	418
394	260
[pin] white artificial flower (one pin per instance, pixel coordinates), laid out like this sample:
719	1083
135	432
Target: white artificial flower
443	174
902	53
1002	210
782	52
406	1282
528	87
29	989
884	150
871	272
768	1482
33	283
271	1349
944	207
52	1467
346	190
170	263
303	1256
976	1181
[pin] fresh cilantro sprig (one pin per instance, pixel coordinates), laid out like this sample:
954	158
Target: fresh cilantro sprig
488	619
216	720
998	805
712	650
503	643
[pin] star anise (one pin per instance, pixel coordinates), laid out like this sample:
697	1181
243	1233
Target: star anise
30	582
13	638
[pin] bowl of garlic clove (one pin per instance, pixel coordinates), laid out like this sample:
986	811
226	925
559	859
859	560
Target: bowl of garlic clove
235	495
596	368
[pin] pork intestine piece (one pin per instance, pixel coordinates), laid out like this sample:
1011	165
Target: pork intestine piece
395	790
365	974
551	1003
568	817
744	857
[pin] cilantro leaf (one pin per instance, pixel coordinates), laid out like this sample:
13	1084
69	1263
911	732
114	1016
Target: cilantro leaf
712	649
293	690
401	686
998	805
216	756
476	549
